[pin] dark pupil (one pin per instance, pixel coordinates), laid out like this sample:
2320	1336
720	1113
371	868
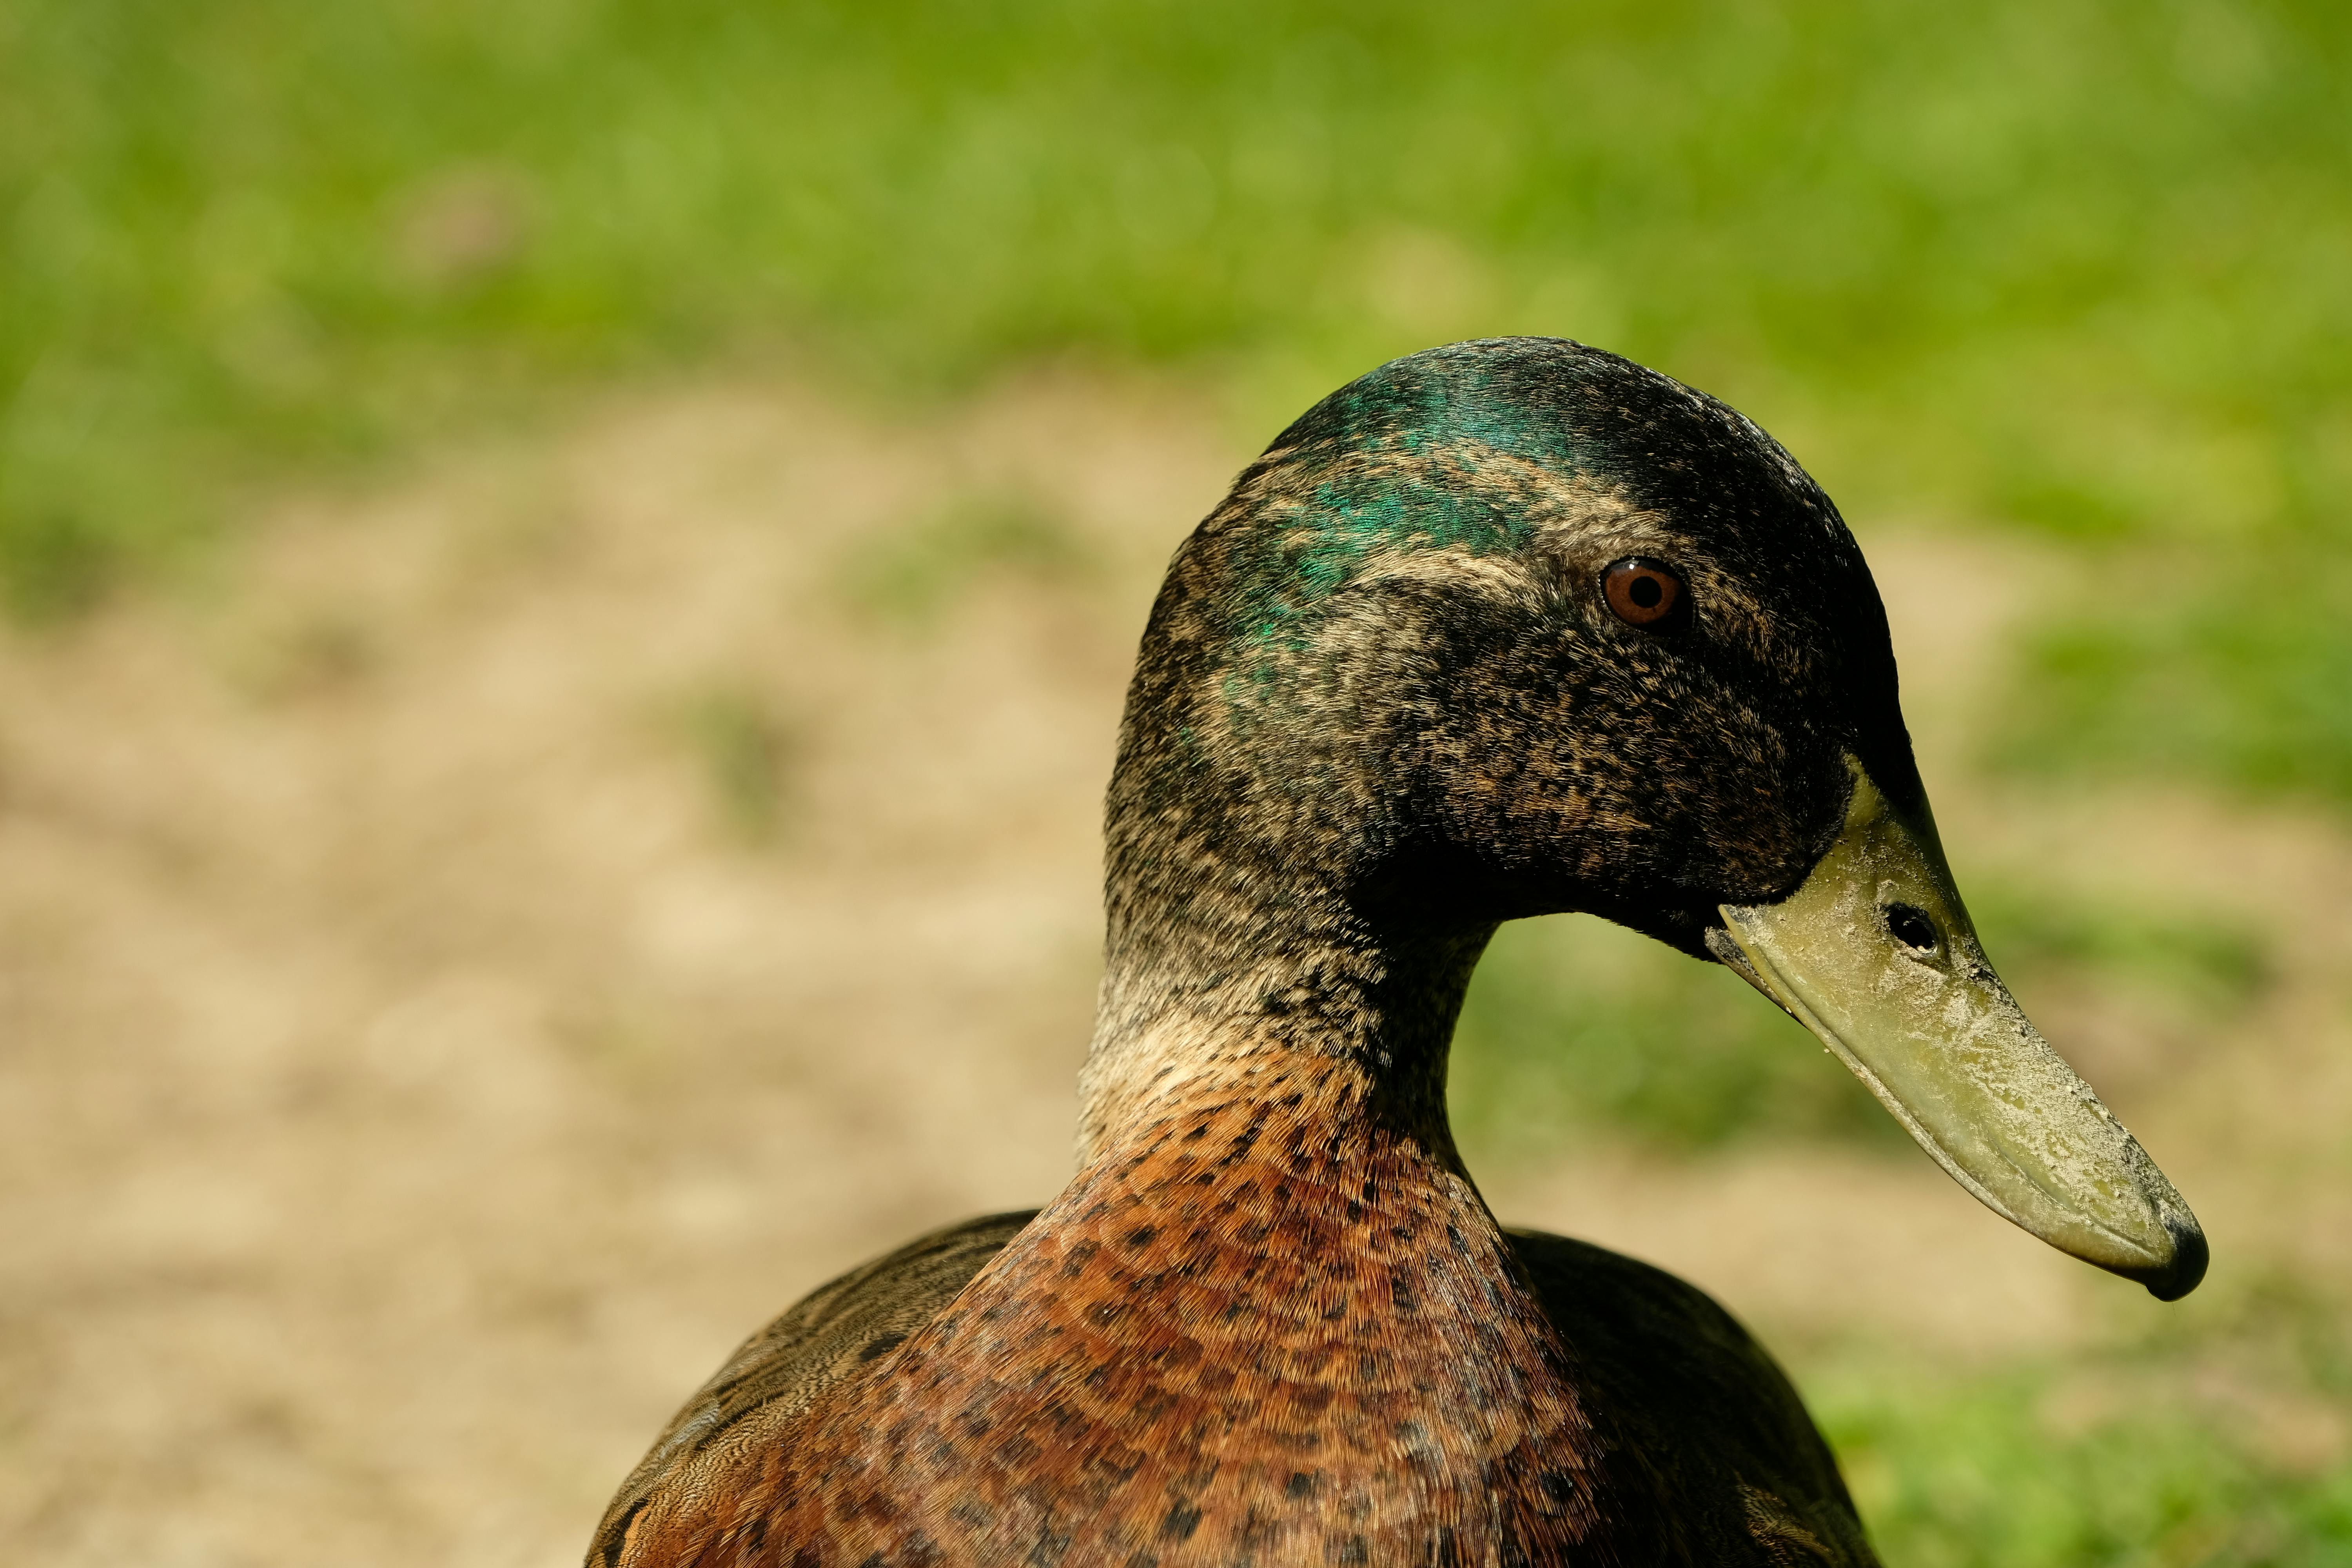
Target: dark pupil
1911	927
1646	592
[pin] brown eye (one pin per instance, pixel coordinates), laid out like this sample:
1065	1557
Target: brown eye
1643	593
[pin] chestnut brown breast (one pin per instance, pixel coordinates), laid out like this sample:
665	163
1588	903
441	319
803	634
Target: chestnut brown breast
1252	1334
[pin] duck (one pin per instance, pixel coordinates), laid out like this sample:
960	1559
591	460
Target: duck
1504	628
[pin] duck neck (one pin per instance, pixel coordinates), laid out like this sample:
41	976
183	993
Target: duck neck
1233	1001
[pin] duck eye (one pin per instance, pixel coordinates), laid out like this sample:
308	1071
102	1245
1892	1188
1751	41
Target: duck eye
1643	592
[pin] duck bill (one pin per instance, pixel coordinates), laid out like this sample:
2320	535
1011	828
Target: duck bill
1875	954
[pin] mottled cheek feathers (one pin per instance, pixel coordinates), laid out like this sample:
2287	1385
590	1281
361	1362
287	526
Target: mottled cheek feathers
1631	758
1572	633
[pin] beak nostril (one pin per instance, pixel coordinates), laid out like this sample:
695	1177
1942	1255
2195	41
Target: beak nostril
1911	927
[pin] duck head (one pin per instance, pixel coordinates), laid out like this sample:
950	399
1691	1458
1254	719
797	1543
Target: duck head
1517	627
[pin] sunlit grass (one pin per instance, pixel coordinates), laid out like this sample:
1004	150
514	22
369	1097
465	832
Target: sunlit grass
2216	1433
745	750
1571	1020
2242	671
2074	267
913	575
1996	1469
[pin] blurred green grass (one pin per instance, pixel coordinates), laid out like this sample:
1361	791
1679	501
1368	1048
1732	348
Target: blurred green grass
1572	1021
1962	1471
2208	1434
913	575
2074	267
2212	1435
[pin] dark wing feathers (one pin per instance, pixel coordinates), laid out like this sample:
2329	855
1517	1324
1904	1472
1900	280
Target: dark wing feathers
1693	1395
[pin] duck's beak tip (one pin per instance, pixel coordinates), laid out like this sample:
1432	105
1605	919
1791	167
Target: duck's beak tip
2186	1269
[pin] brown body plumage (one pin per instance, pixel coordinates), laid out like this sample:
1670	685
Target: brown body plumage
1273	1332
1381	707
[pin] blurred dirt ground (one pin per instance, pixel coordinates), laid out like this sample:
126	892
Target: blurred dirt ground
467	963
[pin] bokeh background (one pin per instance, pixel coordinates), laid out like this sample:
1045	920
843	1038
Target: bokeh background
570	567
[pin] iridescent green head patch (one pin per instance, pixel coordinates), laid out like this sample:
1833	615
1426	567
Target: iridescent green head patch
1442	451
